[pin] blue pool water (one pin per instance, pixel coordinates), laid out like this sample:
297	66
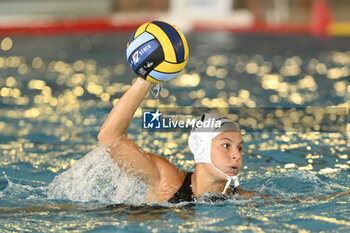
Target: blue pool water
56	92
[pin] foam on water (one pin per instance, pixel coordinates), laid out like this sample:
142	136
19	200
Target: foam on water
96	177
294	183
16	191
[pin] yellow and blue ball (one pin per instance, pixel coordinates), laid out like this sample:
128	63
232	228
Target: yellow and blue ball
157	51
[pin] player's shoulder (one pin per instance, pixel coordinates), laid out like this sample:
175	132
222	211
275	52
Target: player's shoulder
165	166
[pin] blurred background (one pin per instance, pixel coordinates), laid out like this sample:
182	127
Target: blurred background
319	17
63	66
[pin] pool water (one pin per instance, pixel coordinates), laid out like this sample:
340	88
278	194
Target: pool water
56	92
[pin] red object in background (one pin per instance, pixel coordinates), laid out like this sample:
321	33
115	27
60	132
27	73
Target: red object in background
321	18
318	26
70	26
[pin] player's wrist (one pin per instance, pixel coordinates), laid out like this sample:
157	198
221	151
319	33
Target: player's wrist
142	83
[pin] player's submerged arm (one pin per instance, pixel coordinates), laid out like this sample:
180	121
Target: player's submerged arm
273	199
247	194
113	134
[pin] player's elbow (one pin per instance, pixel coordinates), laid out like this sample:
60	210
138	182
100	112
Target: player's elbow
107	138
102	137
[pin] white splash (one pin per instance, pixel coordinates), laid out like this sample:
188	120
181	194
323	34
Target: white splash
21	191
295	183
96	177
156	89
7	179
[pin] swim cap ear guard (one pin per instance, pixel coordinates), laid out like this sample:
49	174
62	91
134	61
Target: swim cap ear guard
200	146
200	141
196	144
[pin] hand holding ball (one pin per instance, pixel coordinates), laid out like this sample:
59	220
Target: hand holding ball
157	51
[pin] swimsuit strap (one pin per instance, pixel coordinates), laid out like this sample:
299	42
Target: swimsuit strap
185	191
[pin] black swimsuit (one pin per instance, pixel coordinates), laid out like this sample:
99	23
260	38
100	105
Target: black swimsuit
185	191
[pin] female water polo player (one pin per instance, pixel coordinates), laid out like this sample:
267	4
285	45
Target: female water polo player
217	153
157	52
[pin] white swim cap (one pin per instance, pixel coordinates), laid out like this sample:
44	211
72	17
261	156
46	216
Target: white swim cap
200	139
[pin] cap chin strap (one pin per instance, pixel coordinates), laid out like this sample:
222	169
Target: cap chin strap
229	179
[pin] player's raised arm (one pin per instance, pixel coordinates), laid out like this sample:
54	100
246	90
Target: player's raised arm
119	119
156	52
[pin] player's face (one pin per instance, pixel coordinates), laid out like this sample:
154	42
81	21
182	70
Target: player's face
226	152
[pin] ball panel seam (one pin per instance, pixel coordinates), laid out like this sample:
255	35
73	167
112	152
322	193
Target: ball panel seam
162	76
175	39
168	67
168	49
141	29
138	42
